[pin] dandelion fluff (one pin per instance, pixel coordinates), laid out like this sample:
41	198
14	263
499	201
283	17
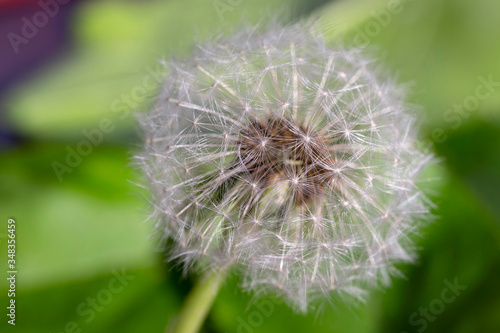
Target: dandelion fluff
287	159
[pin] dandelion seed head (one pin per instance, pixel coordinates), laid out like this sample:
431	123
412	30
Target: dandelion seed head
292	161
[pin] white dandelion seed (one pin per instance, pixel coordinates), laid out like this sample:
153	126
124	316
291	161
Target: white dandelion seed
287	159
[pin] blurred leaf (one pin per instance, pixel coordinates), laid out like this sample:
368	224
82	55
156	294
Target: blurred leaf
80	227
462	245
473	154
441	47
142	303
236	311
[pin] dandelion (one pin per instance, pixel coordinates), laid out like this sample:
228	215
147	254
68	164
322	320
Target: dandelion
290	161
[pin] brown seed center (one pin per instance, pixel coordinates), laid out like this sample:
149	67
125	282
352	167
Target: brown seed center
275	149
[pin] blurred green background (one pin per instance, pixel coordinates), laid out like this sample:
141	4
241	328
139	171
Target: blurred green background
80	227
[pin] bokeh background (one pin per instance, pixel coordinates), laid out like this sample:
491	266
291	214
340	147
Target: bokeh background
83	63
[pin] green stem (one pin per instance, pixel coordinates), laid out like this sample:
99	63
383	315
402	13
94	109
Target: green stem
198	303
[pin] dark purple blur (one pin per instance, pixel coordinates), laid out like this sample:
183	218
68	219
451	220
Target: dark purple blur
32	33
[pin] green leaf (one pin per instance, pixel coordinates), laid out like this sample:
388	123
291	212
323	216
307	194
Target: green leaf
237	311
122	300
440	47
77	228
461	246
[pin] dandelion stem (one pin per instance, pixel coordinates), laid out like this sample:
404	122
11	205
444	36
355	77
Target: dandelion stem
198	303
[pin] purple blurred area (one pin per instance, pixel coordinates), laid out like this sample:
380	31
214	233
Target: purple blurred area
32	34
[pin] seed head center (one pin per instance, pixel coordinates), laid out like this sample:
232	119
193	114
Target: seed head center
293	154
